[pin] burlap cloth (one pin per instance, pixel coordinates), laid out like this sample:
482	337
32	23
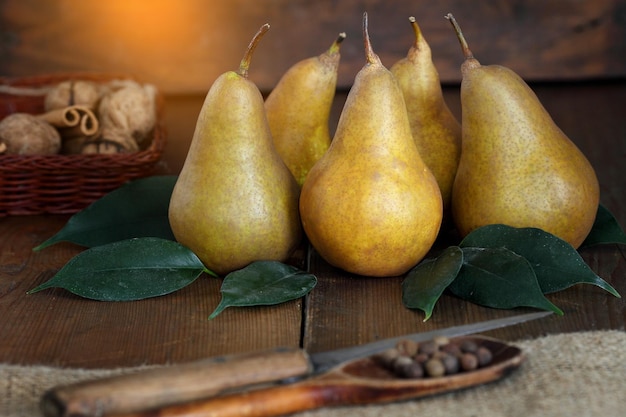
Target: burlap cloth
576	374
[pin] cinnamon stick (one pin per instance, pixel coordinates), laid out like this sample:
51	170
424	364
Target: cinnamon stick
73	121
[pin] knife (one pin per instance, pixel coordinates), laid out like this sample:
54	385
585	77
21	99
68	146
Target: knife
162	386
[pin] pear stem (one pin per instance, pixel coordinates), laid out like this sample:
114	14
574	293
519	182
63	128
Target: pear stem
416	29
245	61
334	48
371	57
459	34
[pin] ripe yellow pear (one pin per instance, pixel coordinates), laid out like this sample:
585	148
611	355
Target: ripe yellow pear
298	110
235	201
436	131
517	167
370	206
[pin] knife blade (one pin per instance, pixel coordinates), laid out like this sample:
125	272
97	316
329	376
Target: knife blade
322	361
162	386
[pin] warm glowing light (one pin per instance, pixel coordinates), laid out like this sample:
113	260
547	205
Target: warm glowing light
143	24
154	37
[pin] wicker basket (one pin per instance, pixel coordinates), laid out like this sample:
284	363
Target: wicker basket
65	184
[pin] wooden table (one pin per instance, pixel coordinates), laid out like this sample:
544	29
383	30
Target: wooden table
55	327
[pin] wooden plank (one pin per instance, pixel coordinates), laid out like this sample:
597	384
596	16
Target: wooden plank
55	327
345	309
183	46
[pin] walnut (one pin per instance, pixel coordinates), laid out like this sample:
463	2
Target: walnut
25	134
109	143
128	112
73	92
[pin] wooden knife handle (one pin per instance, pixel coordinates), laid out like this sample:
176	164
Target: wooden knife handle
167	385
269	402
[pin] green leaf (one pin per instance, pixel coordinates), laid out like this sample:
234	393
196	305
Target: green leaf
499	278
605	230
136	209
128	270
425	283
556	263
263	283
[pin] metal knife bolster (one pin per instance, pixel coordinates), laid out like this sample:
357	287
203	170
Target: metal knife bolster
322	361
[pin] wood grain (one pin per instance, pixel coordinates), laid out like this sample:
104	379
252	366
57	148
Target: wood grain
58	328
585	113
183	46
167	385
362	381
344	309
54	327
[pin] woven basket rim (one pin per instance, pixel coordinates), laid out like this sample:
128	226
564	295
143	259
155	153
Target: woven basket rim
52	78
67	183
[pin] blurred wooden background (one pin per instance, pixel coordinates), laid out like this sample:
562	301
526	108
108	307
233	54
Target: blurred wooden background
183	45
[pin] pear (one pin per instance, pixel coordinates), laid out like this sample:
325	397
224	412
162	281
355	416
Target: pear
436	131
370	205
235	201
517	167
298	110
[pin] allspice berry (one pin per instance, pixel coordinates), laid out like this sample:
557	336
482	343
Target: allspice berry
25	134
434	358
435	368
411	370
451	363
469	362
407	347
484	356
405	367
386	357
469	346
428	348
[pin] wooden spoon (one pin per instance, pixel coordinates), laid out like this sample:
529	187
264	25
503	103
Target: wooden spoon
361	381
